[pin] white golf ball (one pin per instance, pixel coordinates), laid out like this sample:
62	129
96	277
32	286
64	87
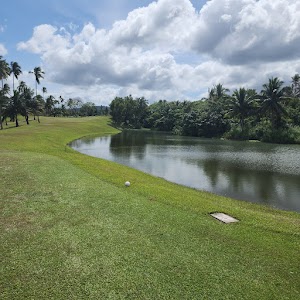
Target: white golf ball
127	183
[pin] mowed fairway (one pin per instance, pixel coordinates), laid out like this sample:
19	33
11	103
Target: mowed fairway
70	229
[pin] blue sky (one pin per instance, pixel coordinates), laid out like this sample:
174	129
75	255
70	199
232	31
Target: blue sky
165	49
31	13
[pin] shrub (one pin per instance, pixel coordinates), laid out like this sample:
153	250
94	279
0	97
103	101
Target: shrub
264	132
236	133
177	130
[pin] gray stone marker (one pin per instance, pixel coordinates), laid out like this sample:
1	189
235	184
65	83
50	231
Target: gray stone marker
224	218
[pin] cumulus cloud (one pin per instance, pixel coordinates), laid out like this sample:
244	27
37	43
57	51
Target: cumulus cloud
45	38
249	31
237	42
92	57
165	23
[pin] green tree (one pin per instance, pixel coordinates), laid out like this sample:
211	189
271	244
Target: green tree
4	100
4	70
241	105
218	93
191	123
293	105
74	106
213	121
296	85
129	112
270	100
88	109
38	74
16	71
140	112
117	107
27	101
102	110
38	106
50	105
15	106
164	115
62	109
44	92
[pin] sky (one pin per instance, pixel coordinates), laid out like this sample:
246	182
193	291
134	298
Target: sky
97	50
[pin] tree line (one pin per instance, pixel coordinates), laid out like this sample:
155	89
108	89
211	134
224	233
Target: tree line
24	101
271	115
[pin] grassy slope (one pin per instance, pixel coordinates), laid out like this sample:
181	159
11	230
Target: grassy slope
71	230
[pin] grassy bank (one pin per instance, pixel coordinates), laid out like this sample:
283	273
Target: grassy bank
71	230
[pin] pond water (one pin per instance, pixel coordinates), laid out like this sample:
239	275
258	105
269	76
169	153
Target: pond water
251	171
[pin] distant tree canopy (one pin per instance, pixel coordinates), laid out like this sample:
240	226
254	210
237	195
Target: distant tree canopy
128	112
272	115
73	108
24	101
88	109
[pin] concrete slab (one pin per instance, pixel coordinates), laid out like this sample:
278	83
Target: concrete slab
224	218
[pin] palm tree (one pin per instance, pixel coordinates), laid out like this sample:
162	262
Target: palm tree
4	70
15	69
16	106
270	98
44	91
296	85
3	102
241	105
217	92
38	106
37	71
50	104
22	86
28	103
218	98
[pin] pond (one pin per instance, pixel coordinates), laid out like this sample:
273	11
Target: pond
251	171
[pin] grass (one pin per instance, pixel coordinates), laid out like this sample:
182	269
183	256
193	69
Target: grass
70	229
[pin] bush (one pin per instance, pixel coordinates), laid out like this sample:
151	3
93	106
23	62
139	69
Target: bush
264	132
236	133
177	130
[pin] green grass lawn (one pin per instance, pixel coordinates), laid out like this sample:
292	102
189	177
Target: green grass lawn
70	229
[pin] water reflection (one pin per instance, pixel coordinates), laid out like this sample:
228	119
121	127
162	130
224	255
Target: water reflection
254	172
127	145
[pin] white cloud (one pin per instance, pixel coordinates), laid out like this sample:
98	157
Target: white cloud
248	31
238	43
165	23
45	38
3	50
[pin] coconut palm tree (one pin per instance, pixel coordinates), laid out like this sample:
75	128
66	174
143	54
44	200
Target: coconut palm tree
241	105
296	85
218	98
270	98
15	106
28	102
4	70
3	101
38	106
15	69
50	105
44	91
22	86
38	73
217	92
